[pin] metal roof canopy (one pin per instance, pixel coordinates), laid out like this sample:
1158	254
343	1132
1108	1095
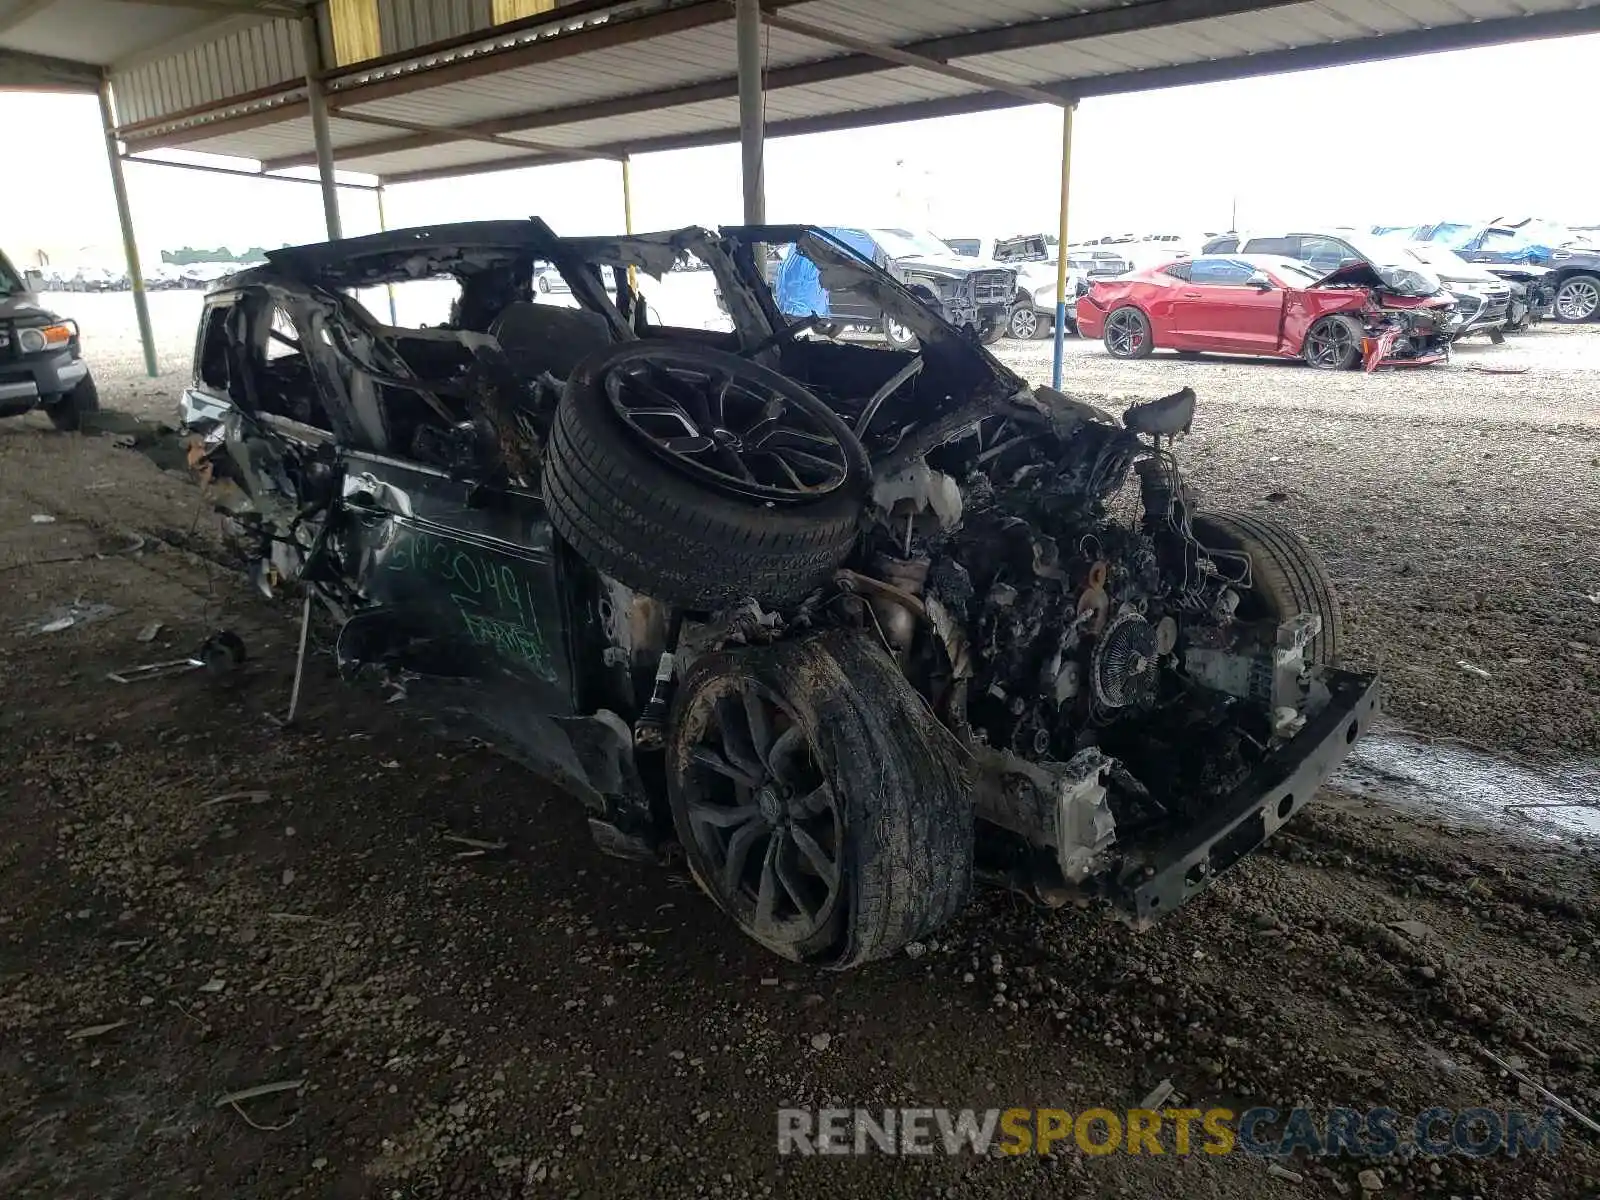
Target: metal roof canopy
611	78
428	89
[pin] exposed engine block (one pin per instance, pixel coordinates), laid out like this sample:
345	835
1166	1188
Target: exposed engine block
1071	624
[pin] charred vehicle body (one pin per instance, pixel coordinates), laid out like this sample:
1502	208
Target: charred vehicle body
852	626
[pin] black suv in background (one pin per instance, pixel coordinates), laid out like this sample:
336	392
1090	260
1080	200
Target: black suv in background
41	362
1577	283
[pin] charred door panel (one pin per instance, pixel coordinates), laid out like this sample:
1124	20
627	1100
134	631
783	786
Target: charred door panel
477	568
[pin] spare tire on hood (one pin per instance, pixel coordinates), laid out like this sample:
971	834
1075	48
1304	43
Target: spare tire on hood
663	524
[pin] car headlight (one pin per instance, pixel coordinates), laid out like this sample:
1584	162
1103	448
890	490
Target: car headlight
37	338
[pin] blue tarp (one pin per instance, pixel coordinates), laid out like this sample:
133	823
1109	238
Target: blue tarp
1488	243
798	287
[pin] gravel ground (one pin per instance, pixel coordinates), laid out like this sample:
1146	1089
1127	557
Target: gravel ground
246	904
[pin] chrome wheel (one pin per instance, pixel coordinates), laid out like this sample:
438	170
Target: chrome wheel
898	334
1024	324
1578	299
734	424
1331	345
1125	333
764	819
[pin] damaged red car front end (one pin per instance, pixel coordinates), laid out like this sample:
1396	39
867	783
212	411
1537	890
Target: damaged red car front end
1398	330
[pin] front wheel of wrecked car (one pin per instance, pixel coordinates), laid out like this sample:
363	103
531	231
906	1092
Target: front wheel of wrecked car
818	802
1286	576
1333	344
624	489
1127	333
1578	299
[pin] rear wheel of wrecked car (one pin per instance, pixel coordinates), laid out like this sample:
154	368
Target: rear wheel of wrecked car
67	413
700	478
1127	333
1286	575
818	802
1333	344
1578	299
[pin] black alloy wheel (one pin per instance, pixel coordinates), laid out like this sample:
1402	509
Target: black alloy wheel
1333	344
819	804
733	424
1127	333
765	820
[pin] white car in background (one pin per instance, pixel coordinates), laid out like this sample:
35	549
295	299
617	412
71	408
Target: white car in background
1153	249
547	280
1484	301
1034	259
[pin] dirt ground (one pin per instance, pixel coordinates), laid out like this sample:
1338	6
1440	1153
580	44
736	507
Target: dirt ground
196	900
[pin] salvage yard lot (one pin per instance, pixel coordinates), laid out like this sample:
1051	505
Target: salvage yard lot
519	1016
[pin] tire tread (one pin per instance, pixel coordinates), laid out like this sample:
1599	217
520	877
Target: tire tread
908	806
1284	569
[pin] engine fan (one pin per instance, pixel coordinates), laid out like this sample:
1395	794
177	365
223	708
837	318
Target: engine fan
1123	670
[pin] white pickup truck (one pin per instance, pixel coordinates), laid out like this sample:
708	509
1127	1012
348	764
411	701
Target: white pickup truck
1033	310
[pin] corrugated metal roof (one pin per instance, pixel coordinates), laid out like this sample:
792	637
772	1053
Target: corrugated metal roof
889	23
678	58
462	155
407	24
91	31
900	86
238	63
602	88
273	140
665	122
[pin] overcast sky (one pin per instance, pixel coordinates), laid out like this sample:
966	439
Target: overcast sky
1471	134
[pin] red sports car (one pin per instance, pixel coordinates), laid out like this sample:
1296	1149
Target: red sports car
1258	304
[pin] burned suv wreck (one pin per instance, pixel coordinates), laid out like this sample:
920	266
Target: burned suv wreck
853	626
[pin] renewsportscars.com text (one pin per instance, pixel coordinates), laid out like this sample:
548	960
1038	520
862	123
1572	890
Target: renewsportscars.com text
1376	1133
